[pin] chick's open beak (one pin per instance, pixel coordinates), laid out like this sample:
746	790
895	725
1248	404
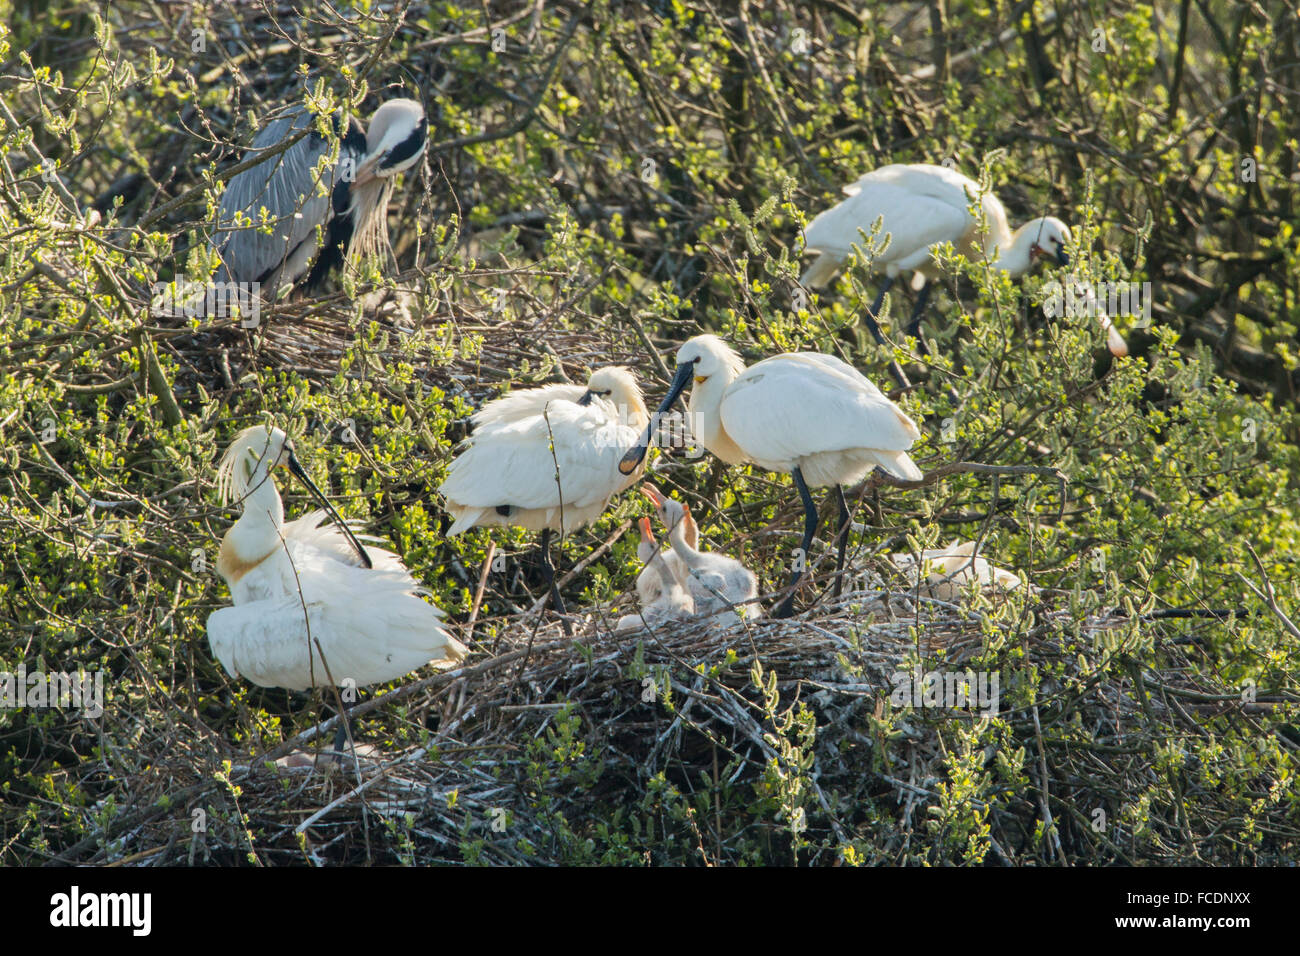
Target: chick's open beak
651	492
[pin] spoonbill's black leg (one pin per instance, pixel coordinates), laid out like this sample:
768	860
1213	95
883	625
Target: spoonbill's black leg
914	330
343	735
873	326
843	535
548	566
914	323
786	607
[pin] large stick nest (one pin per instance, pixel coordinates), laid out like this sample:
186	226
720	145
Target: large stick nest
539	739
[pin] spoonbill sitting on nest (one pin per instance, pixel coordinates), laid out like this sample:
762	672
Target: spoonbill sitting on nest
310	602
945	573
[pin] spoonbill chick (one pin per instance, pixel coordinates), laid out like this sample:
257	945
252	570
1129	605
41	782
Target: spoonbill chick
921	206
805	414
945	573
546	459
309	601
718	584
661	593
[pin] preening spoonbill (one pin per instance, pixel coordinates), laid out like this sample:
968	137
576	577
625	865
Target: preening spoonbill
948	571
718	584
661	593
809	415
546	459
309	600
346	203
920	206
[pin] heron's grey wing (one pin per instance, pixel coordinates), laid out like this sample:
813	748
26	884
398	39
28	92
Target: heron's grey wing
344	216
289	188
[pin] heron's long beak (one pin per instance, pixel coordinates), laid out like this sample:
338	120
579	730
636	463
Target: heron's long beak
295	466
366	171
636	454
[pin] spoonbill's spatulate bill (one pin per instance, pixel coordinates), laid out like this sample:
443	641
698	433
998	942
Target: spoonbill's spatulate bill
346	204
309	600
920	206
805	414
546	459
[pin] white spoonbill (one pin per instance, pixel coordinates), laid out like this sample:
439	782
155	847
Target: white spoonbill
545	459
307	596
803	413
661	593
948	571
920	206
718	584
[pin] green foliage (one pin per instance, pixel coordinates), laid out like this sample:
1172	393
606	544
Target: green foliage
612	181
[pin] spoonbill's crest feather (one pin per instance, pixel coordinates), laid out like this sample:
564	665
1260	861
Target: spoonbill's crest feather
235	470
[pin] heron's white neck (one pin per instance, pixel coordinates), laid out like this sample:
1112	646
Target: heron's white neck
257	532
370	219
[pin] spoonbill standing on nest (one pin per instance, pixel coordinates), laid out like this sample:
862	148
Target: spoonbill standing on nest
718	584
309	601
805	414
920	206
661	592
546	459
345	202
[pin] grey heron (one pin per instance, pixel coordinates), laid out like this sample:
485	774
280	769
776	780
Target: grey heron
344	204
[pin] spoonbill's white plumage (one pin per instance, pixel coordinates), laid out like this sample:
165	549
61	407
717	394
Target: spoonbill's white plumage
948	571
920	206
805	414
661	593
299	584
546	459
717	583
